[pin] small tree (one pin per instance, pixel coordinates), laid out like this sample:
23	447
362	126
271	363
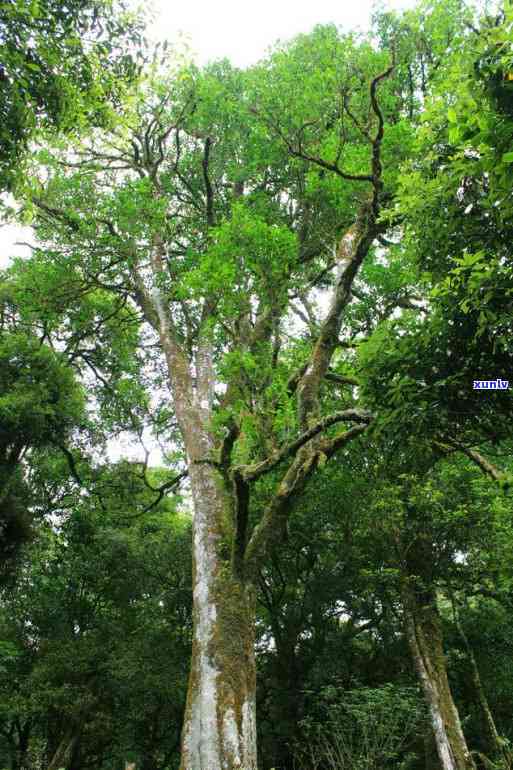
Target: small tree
365	729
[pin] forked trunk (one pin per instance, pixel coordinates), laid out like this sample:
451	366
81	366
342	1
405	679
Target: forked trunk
219	730
424	633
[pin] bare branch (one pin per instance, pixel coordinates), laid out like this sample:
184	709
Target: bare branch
377	169
352	251
166	487
254	472
485	465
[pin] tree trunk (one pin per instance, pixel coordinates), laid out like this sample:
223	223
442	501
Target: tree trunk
21	758
286	711
64	750
424	634
219	730
494	744
22	762
75	759
219	727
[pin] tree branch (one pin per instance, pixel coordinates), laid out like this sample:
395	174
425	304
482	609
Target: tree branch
341	379
252	473
353	249
273	523
485	465
208	185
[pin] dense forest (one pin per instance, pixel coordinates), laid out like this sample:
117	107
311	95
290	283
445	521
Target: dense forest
252	493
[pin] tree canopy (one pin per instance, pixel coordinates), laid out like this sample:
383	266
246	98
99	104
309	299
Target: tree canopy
292	283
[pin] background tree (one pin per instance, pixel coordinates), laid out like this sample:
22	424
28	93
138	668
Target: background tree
97	633
61	66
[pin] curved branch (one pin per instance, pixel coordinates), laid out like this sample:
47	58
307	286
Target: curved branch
71	463
485	465
377	168
477	458
166	487
253	473
273	523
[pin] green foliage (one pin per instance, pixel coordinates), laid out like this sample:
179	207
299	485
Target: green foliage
62	66
40	404
96	631
39	399
365	728
247	255
454	199
221	195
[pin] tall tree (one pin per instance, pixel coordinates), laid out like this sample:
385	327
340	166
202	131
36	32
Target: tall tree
421	368
207	215
201	243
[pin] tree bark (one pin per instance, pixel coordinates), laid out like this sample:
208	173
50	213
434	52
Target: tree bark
424	634
219	730
289	679
21	759
220	724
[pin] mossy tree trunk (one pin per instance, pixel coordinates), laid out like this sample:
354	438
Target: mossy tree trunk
424	634
219	728
494	744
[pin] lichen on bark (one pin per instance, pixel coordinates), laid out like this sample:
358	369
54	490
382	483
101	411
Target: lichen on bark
424	635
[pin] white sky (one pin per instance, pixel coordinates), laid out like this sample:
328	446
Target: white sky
242	31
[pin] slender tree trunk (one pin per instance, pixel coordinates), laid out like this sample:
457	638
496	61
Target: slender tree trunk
64	750
494	744
21	759
75	759
424	634
219	727
22	762
286	712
